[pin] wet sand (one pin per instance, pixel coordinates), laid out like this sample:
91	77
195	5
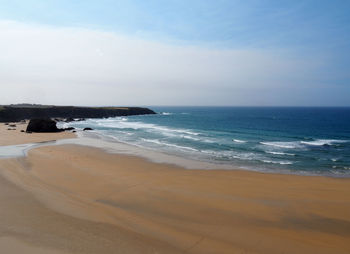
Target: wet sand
76	199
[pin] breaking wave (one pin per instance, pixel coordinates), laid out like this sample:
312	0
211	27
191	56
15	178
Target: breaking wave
323	142
239	141
287	145
304	144
280	153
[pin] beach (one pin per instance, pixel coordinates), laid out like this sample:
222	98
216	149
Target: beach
16	137
78	199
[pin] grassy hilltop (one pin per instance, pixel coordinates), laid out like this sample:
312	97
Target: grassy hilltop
18	112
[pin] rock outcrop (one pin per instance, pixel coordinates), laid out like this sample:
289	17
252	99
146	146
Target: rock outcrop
69	119
42	125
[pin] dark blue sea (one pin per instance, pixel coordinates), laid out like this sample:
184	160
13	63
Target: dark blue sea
292	139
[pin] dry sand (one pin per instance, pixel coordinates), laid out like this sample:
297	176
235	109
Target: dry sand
16	137
74	199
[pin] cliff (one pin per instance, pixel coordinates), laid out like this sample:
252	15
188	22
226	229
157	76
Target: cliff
15	113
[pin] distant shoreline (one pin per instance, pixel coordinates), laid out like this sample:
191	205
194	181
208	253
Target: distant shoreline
16	113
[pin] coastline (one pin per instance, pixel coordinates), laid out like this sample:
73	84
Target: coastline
285	144
142	207
114	146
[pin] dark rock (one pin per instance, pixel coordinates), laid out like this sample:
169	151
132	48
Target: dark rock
22	130
42	125
12	125
69	129
69	119
87	129
6	123
74	131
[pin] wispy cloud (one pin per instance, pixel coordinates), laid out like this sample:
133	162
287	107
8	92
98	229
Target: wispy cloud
46	64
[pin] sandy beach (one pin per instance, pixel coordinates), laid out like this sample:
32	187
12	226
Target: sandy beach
16	137
76	199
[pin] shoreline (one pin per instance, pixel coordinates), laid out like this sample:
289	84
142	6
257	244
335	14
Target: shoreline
117	203
95	140
292	149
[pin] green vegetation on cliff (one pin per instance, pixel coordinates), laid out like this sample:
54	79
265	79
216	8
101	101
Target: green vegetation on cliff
14	113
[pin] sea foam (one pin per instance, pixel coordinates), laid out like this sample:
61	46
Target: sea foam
239	141
287	145
323	142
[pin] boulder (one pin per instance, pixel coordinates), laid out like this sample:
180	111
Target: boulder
87	129
42	125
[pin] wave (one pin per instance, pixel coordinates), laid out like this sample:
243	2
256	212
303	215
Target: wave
278	162
192	138
287	145
123	123
166	113
249	156
233	155
158	142
304	144
280	153
239	141
323	142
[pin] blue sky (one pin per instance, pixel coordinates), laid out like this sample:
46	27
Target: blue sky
230	23
310	34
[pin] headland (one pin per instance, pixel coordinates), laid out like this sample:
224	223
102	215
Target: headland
18	112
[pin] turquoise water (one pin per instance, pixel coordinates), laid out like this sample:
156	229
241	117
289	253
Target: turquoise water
305	140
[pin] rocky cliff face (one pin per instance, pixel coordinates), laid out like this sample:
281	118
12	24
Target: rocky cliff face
17	113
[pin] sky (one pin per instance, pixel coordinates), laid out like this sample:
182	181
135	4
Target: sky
175	52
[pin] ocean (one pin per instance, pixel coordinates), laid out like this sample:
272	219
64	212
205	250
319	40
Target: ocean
313	141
